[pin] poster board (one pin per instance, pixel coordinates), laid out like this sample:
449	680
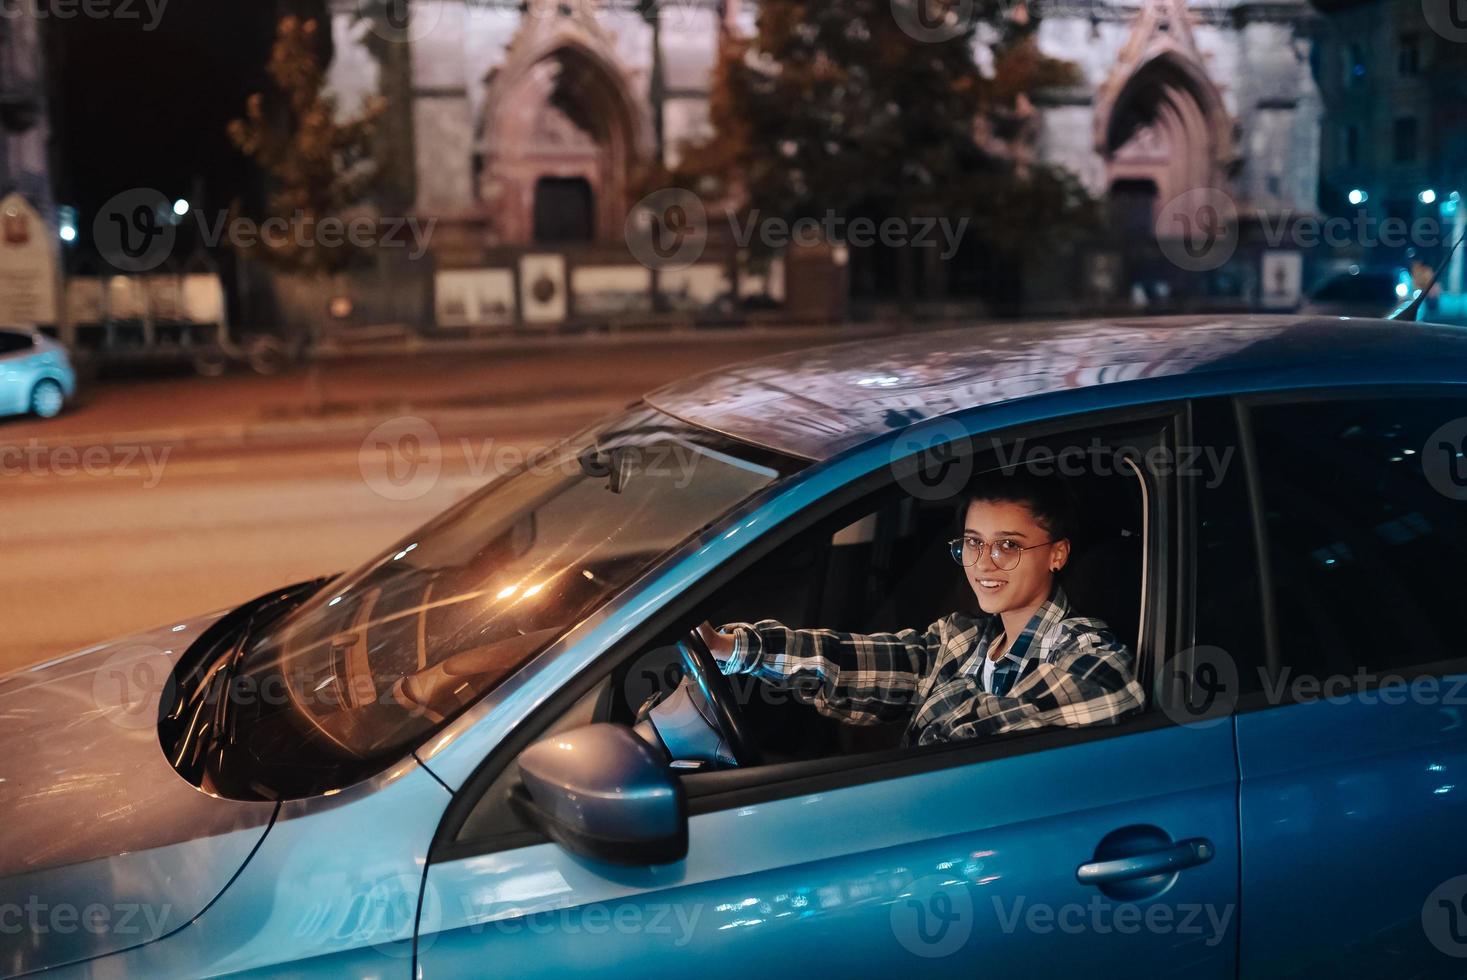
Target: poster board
27	266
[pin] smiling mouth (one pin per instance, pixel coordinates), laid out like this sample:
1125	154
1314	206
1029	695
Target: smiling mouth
991	583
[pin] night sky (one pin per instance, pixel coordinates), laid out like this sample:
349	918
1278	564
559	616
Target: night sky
139	108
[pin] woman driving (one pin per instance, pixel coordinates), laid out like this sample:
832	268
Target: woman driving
1027	661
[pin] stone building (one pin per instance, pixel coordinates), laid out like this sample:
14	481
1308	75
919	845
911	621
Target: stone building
1179	95
29	246
527	121
25	164
1393	74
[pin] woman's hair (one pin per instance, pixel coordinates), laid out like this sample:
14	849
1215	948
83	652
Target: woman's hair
1049	498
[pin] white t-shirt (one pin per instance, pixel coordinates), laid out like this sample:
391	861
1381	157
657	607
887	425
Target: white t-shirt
990	665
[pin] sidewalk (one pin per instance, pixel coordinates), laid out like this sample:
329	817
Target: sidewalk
410	342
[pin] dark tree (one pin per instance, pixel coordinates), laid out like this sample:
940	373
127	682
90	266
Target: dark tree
833	105
319	165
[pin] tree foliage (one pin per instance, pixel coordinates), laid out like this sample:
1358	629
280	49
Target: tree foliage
319	165
832	106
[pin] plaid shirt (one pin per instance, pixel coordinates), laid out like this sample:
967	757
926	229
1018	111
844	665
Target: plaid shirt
1061	670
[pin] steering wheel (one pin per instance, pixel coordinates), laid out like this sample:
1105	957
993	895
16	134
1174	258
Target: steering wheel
712	690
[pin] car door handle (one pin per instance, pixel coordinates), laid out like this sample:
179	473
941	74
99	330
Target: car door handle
1183	854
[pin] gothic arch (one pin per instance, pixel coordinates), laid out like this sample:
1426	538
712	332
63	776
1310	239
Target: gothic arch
560	108
1165	123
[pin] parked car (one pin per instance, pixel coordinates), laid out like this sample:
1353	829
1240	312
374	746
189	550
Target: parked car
431	767
36	376
1361	292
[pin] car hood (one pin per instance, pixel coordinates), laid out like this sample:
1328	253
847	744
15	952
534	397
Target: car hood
103	845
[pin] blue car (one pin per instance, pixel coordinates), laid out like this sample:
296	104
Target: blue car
36	376
466	757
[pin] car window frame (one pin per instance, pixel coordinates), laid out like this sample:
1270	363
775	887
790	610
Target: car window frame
1168	614
1274	661
24	342
1217	423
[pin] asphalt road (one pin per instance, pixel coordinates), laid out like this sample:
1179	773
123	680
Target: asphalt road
159	499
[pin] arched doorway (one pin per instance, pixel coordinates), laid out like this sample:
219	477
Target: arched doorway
562	135
1164	133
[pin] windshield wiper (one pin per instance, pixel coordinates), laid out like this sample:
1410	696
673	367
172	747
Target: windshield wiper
226	719
193	726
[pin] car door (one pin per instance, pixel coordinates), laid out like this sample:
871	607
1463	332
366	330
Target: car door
953	871
1108	850
1354	752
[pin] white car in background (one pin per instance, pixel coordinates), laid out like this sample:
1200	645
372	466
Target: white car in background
36	376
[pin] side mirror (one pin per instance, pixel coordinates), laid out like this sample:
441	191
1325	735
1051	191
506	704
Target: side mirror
601	792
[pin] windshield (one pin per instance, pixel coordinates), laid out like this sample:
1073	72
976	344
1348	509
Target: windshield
381	657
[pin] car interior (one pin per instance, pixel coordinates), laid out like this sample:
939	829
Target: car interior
889	569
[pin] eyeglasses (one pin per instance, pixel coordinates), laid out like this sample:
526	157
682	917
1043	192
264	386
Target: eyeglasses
1006	553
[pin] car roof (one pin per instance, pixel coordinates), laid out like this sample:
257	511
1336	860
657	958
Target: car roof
817	403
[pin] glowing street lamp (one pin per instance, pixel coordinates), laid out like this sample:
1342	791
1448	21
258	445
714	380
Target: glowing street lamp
66	223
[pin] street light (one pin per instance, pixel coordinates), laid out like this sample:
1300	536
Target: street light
1358	197
1427	196
181	207
66	223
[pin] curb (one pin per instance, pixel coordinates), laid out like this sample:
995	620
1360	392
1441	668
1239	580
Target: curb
331	350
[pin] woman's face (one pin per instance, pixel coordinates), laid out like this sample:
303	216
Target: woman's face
1028	583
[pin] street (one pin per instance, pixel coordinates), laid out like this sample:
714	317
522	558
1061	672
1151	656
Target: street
158	499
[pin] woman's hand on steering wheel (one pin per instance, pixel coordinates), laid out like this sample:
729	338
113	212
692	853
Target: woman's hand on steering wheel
721	645
711	689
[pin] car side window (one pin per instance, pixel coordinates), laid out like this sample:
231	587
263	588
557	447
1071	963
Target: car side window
886	564
12	342
1365	513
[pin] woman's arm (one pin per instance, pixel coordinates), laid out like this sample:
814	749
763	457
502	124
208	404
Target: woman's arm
861	679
